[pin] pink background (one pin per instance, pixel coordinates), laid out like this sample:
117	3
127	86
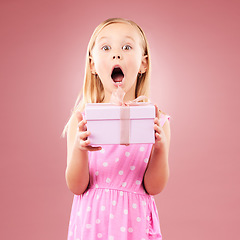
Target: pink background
195	78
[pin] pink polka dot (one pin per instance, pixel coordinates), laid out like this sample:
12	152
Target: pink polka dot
105	164
134	205
132	168
141	149
138	182
127	154
99	235
88	209
98	221
88	226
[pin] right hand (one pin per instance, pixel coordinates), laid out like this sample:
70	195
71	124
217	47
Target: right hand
82	141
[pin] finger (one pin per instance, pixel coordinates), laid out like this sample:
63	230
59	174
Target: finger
156	121
86	146
81	125
90	148
84	135
84	143
156	110
157	128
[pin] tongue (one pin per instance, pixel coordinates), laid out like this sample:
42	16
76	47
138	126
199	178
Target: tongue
118	78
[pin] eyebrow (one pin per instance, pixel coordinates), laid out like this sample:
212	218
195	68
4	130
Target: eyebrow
125	37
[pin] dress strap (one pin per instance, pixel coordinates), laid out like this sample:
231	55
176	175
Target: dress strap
163	119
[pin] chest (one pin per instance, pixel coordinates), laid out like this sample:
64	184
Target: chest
116	159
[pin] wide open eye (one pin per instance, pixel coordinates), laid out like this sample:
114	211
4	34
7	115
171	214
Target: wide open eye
106	48
127	47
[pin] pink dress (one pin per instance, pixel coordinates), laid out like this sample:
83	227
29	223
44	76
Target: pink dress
115	206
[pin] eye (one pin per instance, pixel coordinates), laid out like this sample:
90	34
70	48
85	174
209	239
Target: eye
106	48
127	47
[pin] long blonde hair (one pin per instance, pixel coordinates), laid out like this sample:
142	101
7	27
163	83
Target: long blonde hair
93	90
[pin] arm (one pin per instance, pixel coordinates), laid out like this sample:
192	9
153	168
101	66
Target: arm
157	172
77	171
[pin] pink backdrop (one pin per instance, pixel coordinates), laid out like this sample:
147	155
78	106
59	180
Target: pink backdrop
195	79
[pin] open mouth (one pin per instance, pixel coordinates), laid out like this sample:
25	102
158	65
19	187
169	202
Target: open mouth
117	74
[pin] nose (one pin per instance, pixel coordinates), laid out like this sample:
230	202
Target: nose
117	57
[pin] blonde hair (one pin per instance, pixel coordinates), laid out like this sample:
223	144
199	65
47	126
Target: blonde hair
93	90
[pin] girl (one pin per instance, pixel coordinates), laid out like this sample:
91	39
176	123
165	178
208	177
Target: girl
113	184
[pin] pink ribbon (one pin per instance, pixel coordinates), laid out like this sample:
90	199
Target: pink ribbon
117	99
118	95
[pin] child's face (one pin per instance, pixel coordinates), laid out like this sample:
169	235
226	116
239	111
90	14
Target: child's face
118	45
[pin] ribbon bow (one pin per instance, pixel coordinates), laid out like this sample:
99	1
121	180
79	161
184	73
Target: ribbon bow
117	99
118	95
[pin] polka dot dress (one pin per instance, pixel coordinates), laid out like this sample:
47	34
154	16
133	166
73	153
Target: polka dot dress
115	206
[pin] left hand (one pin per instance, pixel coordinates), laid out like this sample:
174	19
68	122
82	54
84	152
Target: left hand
160	137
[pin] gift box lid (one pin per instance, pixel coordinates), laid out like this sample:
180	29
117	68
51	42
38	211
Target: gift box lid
100	111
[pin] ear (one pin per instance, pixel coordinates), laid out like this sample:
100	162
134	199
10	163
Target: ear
92	65
144	64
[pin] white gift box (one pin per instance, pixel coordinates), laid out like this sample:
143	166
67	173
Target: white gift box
113	124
